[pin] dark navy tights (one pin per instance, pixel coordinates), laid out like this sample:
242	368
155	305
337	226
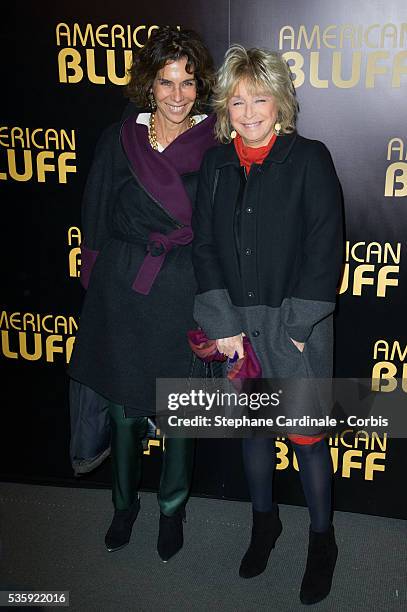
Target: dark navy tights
314	461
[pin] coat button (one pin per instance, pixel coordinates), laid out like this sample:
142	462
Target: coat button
249	210
248	252
250	294
256	333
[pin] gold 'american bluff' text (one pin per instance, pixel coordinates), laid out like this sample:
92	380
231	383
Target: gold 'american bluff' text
390	368
74	258
356	54
370	267
102	53
34	337
351	451
36	153
396	173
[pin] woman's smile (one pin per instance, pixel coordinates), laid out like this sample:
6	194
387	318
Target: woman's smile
252	114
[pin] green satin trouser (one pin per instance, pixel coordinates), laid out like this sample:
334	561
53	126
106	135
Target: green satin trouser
127	454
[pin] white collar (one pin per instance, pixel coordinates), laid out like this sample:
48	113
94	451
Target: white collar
144	119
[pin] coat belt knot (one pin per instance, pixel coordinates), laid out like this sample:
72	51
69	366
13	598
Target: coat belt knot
158	246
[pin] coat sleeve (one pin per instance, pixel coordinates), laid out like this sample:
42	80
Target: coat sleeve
97	203
314	294
213	309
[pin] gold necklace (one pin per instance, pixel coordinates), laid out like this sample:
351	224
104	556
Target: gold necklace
152	133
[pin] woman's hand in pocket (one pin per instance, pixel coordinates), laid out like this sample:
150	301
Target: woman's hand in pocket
299	345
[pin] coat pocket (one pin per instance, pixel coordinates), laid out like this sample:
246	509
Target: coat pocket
291	344
286	361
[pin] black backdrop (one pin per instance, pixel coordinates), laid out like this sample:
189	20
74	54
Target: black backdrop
61	71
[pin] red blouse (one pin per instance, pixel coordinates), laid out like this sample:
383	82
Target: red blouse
252	155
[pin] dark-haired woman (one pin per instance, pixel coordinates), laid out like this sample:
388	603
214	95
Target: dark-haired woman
136	266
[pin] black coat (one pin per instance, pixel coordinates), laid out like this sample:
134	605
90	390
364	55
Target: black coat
268	252
126	340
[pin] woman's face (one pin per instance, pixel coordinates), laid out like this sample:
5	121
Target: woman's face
174	91
252	115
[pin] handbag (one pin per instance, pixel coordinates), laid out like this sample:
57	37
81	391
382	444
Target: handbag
247	366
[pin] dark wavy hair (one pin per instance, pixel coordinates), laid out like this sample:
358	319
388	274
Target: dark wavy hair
168	44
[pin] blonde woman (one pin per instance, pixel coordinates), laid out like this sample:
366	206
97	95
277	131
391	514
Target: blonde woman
267	256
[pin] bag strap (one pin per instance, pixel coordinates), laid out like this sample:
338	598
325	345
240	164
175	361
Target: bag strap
215	185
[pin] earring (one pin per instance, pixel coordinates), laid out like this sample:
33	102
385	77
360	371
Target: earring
152	101
233	134
277	128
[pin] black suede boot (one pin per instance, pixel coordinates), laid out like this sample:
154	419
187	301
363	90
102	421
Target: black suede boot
265	531
119	532
322	554
170	534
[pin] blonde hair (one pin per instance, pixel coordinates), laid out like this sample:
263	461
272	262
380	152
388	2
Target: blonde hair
264	70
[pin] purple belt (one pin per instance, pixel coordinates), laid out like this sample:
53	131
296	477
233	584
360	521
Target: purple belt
158	246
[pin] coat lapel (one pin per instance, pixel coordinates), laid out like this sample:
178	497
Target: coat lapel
160	173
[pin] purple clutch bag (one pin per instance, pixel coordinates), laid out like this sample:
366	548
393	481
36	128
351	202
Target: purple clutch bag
246	367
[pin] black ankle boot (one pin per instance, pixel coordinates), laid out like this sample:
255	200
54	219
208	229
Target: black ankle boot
265	531
322	554
119	532
170	535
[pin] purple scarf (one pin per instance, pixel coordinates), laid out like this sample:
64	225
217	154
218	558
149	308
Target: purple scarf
160	175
